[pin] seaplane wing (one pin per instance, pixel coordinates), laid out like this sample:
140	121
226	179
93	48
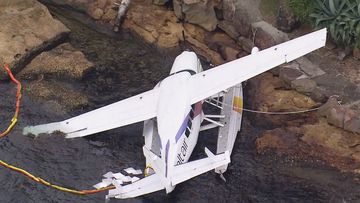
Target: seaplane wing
207	83
134	109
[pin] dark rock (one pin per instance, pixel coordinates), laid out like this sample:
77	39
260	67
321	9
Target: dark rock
229	29
342	54
308	67
229	53
336	116
304	85
241	14
201	13
353	125
286	20
356	53
319	95
266	35
289	74
160	2
276	71
246	44
332	102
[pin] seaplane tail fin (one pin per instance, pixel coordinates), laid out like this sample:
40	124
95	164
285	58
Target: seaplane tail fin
143	186
134	109
210	82
191	169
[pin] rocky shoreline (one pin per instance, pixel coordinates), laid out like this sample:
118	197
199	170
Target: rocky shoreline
33	45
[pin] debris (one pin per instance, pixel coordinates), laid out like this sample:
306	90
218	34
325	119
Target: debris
103	183
123	178
108	175
134	179
132	171
121	12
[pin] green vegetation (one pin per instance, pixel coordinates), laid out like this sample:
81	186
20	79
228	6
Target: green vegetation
302	9
341	17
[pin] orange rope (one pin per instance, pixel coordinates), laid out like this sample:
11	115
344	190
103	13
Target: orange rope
17	105
24	172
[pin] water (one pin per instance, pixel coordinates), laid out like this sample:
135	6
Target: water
125	66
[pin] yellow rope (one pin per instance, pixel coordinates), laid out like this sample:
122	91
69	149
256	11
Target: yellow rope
26	173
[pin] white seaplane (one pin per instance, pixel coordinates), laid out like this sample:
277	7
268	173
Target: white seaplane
173	115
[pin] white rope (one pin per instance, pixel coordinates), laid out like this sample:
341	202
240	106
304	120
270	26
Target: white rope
281	113
271	113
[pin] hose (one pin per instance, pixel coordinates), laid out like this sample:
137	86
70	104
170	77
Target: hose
24	172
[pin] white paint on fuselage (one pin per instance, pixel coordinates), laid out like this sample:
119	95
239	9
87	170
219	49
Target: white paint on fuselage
173	110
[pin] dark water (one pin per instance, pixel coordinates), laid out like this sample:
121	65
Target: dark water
125	66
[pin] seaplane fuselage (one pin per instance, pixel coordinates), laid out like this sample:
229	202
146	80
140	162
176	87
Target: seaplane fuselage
173	134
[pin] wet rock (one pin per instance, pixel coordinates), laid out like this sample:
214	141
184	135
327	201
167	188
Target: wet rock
80	5
284	140
60	96
266	35
197	12
64	61
27	29
100	10
319	141
304	85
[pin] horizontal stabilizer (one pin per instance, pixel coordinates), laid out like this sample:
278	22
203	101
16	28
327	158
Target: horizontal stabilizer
134	109
191	169
144	186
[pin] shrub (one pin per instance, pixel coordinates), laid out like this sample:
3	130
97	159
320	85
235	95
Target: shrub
302	8
341	17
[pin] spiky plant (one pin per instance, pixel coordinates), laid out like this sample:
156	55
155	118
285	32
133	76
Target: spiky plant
341	17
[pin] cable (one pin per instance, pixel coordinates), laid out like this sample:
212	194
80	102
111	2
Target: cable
26	173
279	113
17	103
46	183
268	112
